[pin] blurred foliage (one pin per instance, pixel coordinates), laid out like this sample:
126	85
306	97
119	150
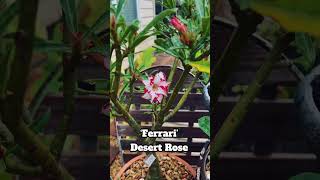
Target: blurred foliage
306	176
293	15
308	47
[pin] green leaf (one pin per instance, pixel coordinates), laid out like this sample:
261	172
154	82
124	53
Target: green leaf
205	25
70	12
40	124
101	22
145	59
7	15
167	51
294	15
306	176
49	46
98	50
134	27
202	66
121	4
200	7
308	48
156	20
139	40
204	124
131	62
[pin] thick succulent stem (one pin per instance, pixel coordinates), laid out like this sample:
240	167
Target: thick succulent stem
235	118
154	172
130	120
69	88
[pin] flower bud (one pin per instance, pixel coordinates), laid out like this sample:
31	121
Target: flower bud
178	25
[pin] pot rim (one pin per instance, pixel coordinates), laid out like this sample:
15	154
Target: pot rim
141	156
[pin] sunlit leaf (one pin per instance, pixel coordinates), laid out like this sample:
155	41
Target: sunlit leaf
202	66
145	59
294	15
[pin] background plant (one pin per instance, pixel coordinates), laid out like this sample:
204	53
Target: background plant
26	153
293	16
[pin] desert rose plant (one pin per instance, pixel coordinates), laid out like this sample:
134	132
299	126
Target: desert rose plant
181	33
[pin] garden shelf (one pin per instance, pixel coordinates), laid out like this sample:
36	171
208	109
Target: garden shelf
86	161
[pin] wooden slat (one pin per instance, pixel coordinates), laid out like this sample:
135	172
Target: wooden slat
194	99
184	132
88	119
91	70
83	166
279	166
273	121
180	116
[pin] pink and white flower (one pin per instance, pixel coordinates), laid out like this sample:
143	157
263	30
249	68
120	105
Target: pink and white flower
155	88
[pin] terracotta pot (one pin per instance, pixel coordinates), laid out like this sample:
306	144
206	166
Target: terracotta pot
142	156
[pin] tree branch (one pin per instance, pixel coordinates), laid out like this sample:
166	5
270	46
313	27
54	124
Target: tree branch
175	91
15	167
183	98
130	120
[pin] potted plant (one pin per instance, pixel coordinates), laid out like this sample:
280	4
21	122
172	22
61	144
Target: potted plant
307	95
182	34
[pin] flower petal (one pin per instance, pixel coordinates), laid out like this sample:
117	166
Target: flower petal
146	96
160	91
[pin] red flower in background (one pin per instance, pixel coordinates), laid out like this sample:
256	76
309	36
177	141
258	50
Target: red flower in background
178	25
185	37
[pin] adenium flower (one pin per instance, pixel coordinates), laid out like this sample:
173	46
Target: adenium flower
175	22
155	88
